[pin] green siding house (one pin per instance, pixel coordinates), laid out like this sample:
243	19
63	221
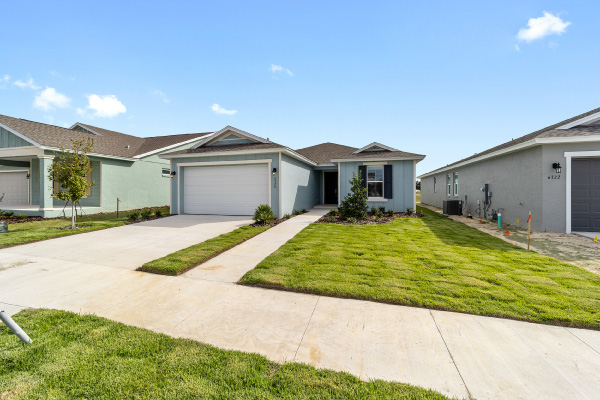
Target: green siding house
231	172
124	167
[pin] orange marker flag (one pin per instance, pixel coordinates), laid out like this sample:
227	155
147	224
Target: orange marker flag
507	232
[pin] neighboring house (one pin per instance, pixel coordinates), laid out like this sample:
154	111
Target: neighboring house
553	172
123	166
232	172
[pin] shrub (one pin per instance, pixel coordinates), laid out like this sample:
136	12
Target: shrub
263	214
334	212
158	213
409	210
352	220
330	219
304	211
132	216
21	216
287	216
297	212
390	212
377	211
9	213
376	219
354	204
146	213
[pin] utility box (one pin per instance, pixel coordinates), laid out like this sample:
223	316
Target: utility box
453	207
3	227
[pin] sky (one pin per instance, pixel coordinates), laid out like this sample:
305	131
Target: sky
446	79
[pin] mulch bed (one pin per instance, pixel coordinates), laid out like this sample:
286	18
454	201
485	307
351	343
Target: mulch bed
276	221
152	218
15	220
369	220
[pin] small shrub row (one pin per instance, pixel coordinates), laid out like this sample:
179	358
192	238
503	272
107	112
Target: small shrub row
145	213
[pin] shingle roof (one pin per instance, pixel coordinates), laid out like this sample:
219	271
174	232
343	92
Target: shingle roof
549	131
110	143
325	152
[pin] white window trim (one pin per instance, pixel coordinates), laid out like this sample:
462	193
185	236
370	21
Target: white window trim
569	155
382	198
448	185
455	183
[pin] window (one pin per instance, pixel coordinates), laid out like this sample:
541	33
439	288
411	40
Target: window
166	172
448	185
456	183
434	184
375	181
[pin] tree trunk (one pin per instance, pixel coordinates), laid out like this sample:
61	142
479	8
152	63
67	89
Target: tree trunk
72	214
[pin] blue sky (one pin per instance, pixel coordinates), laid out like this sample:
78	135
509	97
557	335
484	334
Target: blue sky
445	79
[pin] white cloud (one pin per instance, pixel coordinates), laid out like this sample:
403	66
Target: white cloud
49	99
103	106
217	109
161	94
278	69
539	28
5	78
517	48
29	84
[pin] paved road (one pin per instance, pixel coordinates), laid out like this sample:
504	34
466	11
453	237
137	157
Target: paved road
456	354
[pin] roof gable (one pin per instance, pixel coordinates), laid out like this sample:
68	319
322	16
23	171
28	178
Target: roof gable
230	136
375	146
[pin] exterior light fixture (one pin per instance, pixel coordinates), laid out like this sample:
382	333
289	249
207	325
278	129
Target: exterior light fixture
556	167
173	173
274	171
28	175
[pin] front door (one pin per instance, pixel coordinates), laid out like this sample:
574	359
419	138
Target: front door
331	187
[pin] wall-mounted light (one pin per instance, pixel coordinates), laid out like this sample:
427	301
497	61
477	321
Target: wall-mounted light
173	173
274	172
556	167
28	175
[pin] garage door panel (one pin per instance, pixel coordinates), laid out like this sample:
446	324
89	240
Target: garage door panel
14	185
227	190
585	194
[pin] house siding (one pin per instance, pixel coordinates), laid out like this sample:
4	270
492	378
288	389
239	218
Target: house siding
515	180
403	184
299	185
177	191
9	140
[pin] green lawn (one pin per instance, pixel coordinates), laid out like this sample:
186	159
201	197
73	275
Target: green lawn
89	357
433	262
190	257
27	232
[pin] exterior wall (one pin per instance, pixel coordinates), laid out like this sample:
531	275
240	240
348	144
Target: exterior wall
403	184
300	185
8	139
554	191
177	190
514	179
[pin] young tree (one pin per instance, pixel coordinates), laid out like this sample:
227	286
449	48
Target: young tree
70	170
355	203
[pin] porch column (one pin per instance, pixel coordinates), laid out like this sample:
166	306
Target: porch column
45	183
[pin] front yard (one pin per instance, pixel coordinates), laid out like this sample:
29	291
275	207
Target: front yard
28	232
74	356
433	262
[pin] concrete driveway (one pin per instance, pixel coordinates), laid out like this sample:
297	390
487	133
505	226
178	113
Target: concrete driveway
131	246
457	354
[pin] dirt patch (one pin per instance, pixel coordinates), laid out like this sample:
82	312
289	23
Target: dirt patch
572	248
211	268
16	220
64	228
370	219
275	221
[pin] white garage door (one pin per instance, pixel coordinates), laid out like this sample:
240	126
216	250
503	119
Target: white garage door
226	190
14	186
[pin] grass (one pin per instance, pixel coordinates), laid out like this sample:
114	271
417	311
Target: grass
28	232
433	262
183	260
75	356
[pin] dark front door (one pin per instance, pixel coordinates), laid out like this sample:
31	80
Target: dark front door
585	195
331	187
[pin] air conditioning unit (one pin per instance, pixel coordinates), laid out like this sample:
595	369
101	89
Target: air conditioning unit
453	207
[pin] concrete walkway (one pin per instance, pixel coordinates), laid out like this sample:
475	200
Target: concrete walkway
456	354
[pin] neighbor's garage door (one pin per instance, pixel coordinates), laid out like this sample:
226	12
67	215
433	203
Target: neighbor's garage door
585	194
226	190
14	186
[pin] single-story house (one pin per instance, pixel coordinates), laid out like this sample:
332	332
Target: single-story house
124	167
553	172
232	172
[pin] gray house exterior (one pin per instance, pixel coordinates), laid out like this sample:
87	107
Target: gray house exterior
232	172
124	167
523	176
